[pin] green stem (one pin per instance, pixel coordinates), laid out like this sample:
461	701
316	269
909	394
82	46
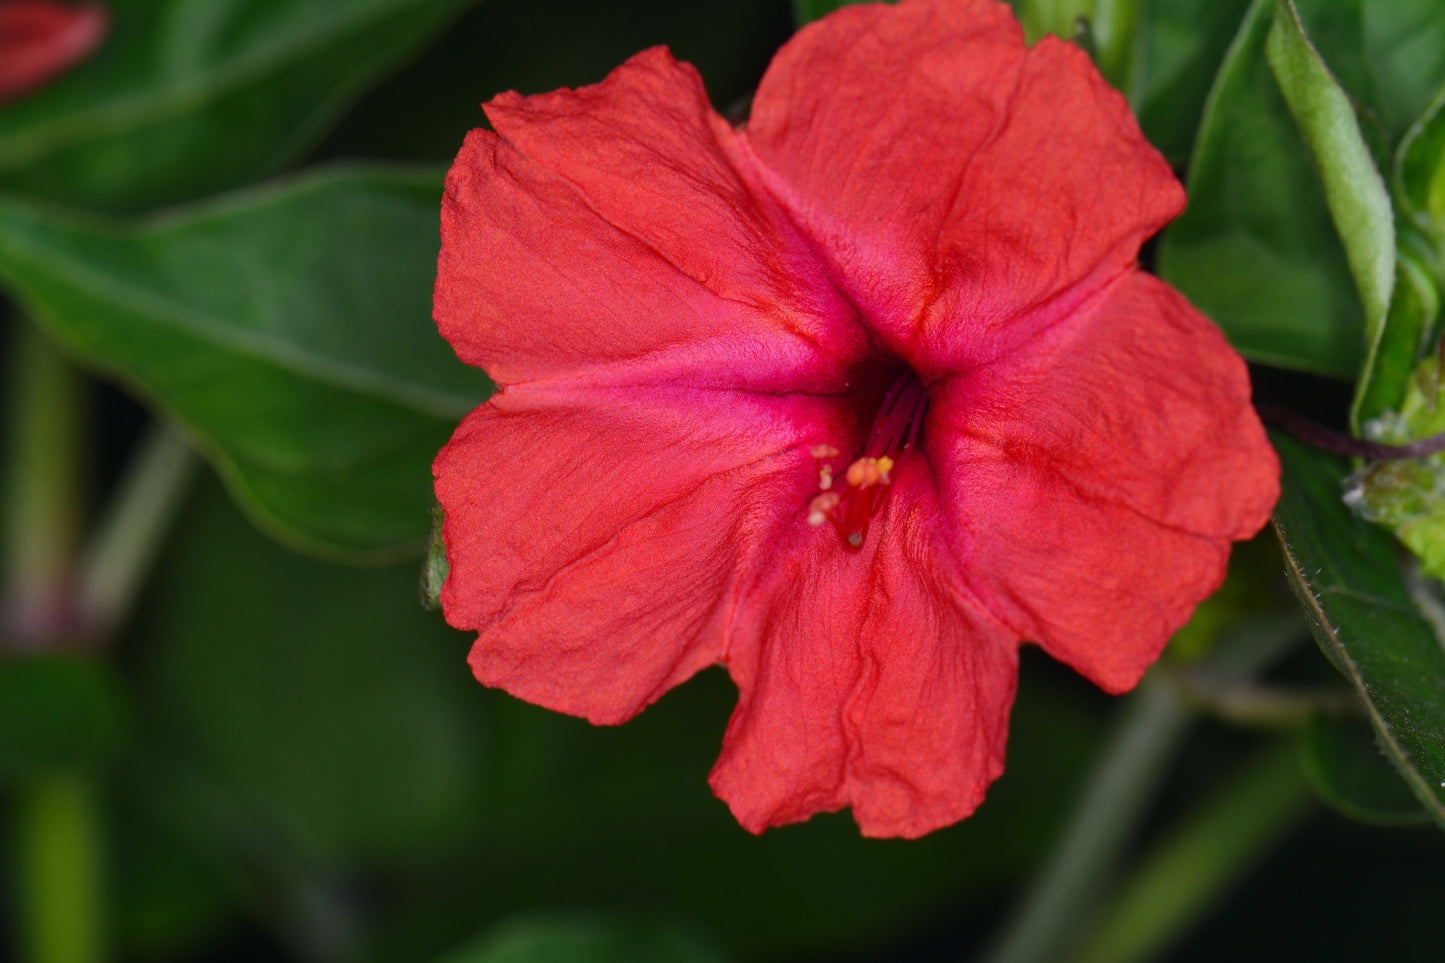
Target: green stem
1116	29
57	847
42	466
119	555
1128	776
58	855
1185	874
1121	788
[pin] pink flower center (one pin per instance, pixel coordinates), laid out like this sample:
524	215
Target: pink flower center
851	501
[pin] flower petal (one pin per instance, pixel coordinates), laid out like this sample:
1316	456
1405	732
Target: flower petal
864	683
1096	481
593	539
605	234
969	189
41	38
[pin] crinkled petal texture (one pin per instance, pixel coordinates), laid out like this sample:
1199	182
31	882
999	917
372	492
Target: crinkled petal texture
865	681
679	314
954	178
41	38
1095	482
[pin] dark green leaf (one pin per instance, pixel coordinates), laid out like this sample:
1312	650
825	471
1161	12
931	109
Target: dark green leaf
322	699
1346	574
188	97
288	329
1183	44
309	717
56	712
1348	770
1414	311
1420	173
1355	193
806	11
1255	250
589	938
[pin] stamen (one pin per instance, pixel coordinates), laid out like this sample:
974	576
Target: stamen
894	432
820	508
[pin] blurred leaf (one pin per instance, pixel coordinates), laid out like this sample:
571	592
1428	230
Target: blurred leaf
1420	172
324	703
589	938
578	815
188	97
324	697
289	329
1347	577
1354	191
56	712
165	902
1256	250
1348	771
1206	853
1398	49
806	11
1057	17
1184	42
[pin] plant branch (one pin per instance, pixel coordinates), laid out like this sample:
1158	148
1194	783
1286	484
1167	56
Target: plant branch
1128	776
1339	443
124	545
42	470
1188	872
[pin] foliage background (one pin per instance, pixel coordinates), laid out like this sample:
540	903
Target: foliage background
281	754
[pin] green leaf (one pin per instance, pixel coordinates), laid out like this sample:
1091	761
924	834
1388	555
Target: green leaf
1420	173
435	569
289	330
313	719
1408	330
1345	572
1350	773
1184	42
1057	17
1256	250
188	97
56	713
806	11
320	700
589	938
1354	191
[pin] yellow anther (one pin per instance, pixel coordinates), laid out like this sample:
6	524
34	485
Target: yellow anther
866	472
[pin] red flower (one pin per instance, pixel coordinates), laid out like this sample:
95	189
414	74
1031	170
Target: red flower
850	401
39	39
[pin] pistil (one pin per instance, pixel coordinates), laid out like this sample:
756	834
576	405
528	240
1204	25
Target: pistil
865	481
